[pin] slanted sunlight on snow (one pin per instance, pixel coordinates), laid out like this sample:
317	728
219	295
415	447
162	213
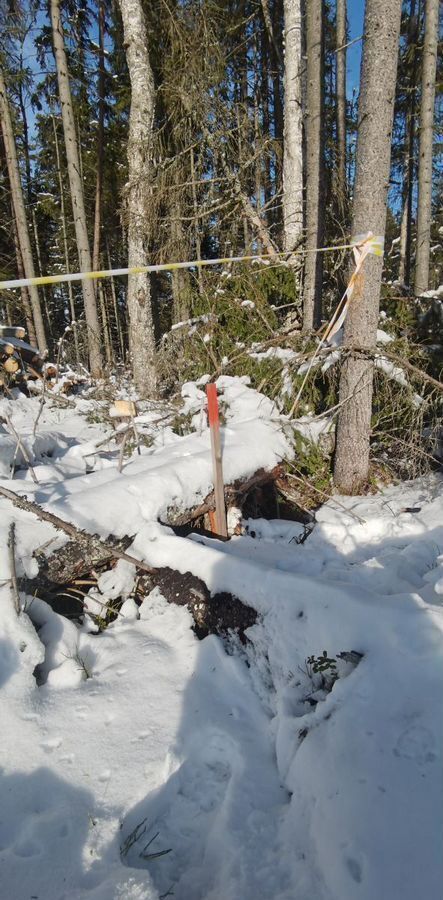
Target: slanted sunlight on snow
143	763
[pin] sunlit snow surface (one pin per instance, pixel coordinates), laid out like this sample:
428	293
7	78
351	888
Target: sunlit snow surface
216	757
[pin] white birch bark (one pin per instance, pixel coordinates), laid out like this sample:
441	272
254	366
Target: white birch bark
424	206
293	127
76	190
141	120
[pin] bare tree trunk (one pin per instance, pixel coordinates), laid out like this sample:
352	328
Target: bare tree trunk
118	323
26	303
404	273
141	119
340	53
196	223
312	289
293	127
65	242
76	188
424	207
275	74
181	287
270	28
20	213
40	271
376	106
99	291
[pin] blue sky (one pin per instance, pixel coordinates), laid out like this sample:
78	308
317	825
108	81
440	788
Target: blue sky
355	19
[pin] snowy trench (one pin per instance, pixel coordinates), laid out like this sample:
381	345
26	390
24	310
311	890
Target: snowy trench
144	763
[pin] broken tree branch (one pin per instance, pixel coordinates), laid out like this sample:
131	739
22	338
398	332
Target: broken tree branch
107	549
22	447
13	569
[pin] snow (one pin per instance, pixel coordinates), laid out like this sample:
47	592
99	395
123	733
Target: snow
141	762
431	295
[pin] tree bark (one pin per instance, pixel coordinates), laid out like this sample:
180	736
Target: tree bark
276	56
20	213
312	289
376	106
404	273
141	121
26	303
293	128
76	189
340	55
424	207
100	295
65	242
118	323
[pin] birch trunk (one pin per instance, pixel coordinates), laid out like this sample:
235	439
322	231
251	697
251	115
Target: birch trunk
424	207
141	120
20	213
293	127
341	33
312	289
76	189
376	107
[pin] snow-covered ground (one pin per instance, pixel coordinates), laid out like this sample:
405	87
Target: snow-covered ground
258	781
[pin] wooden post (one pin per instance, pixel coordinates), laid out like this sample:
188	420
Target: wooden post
219	491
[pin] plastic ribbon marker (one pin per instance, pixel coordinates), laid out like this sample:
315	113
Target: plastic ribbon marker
280	255
219	491
362	246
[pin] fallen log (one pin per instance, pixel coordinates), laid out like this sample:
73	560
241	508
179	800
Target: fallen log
235	495
84	554
89	544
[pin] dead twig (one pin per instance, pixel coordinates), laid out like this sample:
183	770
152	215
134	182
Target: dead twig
13	569
328	497
40	409
22	447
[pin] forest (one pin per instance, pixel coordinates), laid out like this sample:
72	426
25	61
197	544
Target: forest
221	448
138	135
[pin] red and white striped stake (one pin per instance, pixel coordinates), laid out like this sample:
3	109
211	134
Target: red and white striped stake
219	491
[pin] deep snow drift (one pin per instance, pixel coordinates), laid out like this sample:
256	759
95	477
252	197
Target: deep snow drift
147	764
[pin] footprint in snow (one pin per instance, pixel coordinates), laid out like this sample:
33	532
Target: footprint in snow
51	744
354	869
416	743
184	818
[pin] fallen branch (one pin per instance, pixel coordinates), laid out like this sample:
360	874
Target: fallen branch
22	447
212	614
87	541
405	364
13	569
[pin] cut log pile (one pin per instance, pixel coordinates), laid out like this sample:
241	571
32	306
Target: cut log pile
18	358
21	363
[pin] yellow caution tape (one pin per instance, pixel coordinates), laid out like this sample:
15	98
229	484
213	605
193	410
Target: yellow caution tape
283	256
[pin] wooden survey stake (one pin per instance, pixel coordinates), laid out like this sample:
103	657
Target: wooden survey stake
219	490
